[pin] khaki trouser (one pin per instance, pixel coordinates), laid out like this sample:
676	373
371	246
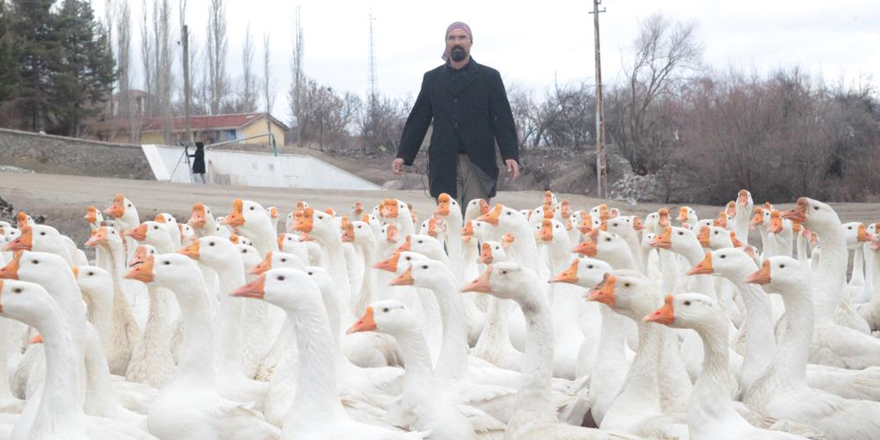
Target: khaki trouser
471	182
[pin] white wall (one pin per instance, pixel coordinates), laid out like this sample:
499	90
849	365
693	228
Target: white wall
254	169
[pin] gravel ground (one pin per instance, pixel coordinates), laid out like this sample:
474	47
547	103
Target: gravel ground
63	199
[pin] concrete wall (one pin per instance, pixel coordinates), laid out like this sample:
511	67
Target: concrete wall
255	169
64	155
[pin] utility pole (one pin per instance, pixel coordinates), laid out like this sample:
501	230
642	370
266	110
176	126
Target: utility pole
601	167
187	91
371	99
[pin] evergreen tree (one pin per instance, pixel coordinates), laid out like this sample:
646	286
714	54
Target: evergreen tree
32	26
84	73
9	80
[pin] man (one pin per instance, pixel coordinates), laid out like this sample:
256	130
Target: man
198	163
468	105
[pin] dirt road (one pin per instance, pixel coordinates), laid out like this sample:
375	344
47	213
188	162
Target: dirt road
63	199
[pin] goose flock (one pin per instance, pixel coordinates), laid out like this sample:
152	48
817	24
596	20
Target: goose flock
478	322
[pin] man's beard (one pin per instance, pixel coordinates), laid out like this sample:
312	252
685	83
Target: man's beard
458	54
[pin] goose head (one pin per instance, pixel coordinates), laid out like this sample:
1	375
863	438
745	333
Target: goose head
275	260
467	231
552	233
730	263
318	225
124	211
689	310
399	262
24	241
286	288
249	255
423	244
625	226
492	252
359	233
48	270
565	210
186	232
173	271
814	215
215	252
627	292
201	217
26	302
760	217
430	274
248	216
141	253
713	237
446	207
93	216
583	272
856	234
105	236
95	283
675	239
40	238
23	219
504	218
744	201
687	216
152	233
600	212
583	221
8	234
778	224
475	208
387	316
780	274
507	281
286	241
603	245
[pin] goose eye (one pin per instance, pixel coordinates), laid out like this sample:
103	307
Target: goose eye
508	213
408	258
782	266
608	239
252	208
211	244
503	272
280	278
626	284
35	261
167	263
155	227
723	256
687	303
424	266
716	232
244	251
680	233
590	266
113	232
385	310
17	290
815	208
91	273
849	227
129	205
42	233
311	273
284	260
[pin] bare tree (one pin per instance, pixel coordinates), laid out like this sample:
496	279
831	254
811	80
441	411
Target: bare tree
297	81
247	97
123	65
164	65
147	60
268	92
218	86
665	53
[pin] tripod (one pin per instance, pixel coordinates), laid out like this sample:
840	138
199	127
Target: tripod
185	158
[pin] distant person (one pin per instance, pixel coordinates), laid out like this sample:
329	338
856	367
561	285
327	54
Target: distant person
470	110
198	163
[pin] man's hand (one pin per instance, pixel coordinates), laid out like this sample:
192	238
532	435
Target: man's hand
512	168
397	166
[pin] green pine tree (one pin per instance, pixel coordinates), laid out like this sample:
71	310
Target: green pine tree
9	80
36	46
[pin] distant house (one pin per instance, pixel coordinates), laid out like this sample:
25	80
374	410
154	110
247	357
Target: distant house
208	129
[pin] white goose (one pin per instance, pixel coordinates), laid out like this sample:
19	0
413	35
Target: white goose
189	407
785	393
712	415
203	223
533	416
494	344
57	411
425	401
316	412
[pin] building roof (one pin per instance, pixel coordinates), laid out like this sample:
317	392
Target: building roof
198	123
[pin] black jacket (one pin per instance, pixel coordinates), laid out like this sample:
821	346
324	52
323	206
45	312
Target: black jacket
198	163
471	112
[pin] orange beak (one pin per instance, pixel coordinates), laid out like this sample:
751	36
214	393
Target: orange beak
254	289
742	197
140	256
486	256
24	242
566	209
704	236
197	220
569	275
762	276
22	219
775	223
75	270
305	222
433	227
663	217
484	207
91	215
391	234
603	212
798	214
703	267
389	208
467	232
735	241
406	279
664	240
682	214
99	236
587	247
37	339
721	220
273	212
389	265
507	240
664	315
236	218
142	272
364	324
10	271
160	218
548	212
481	284
492	216
263	266
758	218
731	209
406	245
546	230
638	224
117	209
139	233
443	205
280	240
604	292
358	208
548	197
864	236
192	250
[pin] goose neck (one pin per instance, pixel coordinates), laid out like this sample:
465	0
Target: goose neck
452	363
228	320
760	341
63	393
196	363
793	348
710	395
831	273
416	356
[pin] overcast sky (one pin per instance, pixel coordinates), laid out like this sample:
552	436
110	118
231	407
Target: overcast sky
533	42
